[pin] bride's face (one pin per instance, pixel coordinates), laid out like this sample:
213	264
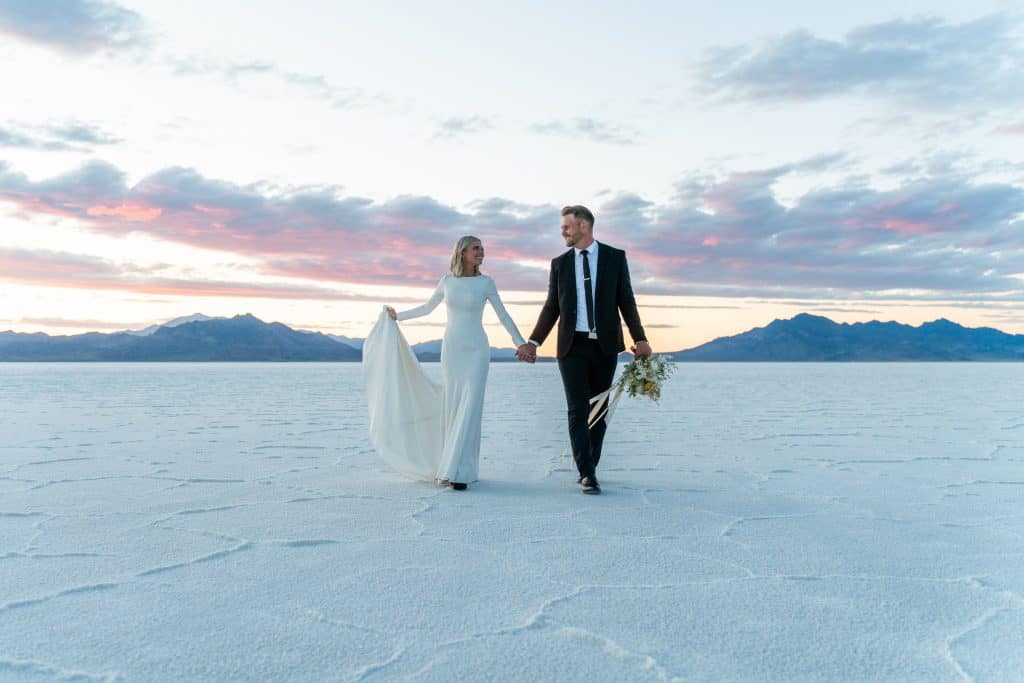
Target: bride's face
472	257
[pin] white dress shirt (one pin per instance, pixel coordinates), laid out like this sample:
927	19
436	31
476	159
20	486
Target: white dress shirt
581	297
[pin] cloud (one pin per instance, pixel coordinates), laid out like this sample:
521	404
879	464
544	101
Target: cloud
81	324
61	269
82	133
937	233
1011	129
85	27
68	136
337	96
922	61
18	139
313	85
76	27
583	129
313	232
29	266
462	125
930	235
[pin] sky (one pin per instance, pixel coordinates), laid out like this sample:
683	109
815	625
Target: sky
309	162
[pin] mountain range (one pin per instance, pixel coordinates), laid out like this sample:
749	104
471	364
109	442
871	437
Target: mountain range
815	338
242	338
246	338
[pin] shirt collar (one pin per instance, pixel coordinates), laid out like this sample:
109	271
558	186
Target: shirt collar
591	250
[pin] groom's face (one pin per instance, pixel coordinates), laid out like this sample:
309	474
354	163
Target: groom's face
572	230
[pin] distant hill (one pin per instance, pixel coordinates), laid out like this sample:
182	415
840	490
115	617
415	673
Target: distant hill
347	341
170	323
242	338
78	347
814	338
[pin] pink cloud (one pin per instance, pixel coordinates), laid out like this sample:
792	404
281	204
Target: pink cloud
908	214
130	210
908	227
317	234
835	238
52	269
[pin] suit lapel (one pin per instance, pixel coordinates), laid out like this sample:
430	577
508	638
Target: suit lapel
569	280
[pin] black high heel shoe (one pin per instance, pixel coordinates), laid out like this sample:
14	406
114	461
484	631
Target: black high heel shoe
459	486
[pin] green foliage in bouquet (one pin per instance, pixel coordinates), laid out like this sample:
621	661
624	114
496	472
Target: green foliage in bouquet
645	376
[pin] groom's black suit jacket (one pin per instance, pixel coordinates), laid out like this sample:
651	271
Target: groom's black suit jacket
614	295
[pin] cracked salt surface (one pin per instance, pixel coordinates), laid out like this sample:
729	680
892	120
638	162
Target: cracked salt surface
764	523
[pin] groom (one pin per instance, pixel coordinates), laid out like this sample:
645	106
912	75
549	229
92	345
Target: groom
587	290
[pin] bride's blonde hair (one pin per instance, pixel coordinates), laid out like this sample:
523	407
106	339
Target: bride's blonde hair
461	246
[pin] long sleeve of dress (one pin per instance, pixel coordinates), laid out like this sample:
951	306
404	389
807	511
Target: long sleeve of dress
503	316
426	308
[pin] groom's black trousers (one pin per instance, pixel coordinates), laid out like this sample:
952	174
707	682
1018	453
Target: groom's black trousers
586	371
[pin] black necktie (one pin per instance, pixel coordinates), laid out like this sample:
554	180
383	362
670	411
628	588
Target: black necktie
588	294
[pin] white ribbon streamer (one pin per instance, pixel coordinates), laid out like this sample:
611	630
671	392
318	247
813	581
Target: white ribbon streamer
603	408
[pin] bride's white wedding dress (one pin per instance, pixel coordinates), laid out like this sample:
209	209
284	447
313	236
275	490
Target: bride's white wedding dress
421	429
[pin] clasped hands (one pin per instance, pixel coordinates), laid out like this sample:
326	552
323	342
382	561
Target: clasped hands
527	353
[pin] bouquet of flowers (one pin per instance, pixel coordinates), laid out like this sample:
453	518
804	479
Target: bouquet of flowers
644	376
640	377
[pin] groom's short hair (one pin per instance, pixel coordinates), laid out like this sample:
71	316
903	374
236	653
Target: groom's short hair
579	212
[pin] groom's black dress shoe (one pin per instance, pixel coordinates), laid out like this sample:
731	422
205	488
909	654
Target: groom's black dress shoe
458	486
590	485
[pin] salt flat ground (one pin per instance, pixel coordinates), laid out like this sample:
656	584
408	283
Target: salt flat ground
765	522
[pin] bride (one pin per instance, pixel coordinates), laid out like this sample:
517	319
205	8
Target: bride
422	429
